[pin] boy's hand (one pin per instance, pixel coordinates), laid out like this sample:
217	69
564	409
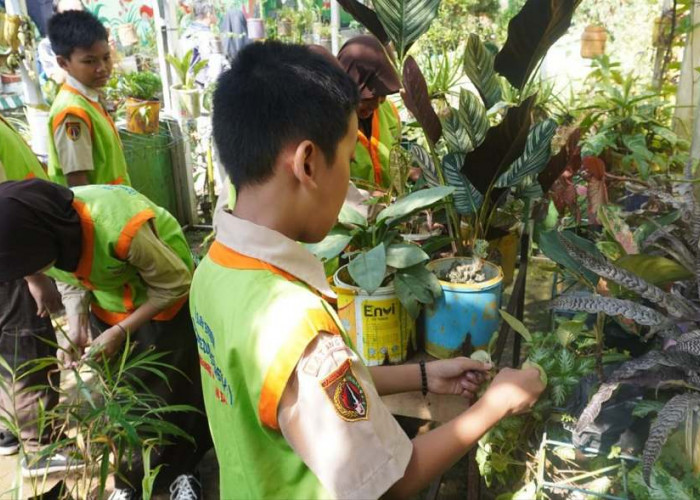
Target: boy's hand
45	294
72	343
458	376
107	343
514	391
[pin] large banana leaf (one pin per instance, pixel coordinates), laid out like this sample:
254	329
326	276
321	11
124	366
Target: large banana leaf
417	100
366	17
426	164
405	20
472	116
538	150
478	66
531	33
454	133
503	145
467	198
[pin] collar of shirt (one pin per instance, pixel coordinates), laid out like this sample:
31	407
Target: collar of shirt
88	92
270	246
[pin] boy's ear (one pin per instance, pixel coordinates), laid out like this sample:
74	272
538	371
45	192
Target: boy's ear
62	62
306	163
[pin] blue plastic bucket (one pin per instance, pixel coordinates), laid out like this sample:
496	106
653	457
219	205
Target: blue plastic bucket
463	309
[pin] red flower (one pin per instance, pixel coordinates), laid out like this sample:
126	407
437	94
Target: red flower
146	10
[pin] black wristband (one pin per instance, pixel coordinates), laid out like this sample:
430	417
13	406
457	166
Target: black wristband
423	378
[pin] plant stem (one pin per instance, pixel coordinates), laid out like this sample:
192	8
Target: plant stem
454	221
600	323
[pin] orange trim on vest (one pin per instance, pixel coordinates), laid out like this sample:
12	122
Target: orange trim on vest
227	257
372	146
129	231
286	360
128	299
87	245
112	318
98	107
116	182
71	110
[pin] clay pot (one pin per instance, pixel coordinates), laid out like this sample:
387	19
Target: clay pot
593	42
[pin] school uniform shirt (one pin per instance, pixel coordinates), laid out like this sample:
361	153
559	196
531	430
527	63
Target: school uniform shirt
292	409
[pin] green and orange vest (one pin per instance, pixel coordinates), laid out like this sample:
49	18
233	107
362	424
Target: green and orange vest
253	323
107	154
110	216
371	163
17	158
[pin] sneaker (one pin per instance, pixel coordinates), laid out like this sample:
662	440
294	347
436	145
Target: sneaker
123	494
9	444
41	465
185	487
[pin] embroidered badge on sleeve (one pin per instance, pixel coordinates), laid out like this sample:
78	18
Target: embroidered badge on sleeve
346	393
73	130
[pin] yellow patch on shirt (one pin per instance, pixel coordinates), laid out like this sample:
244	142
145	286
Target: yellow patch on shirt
73	130
346	393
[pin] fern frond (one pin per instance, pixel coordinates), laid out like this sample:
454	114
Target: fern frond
668	419
638	313
676	306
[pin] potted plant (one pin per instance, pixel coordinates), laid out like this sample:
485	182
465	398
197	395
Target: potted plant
186	94
382	288
142	104
593	41
285	22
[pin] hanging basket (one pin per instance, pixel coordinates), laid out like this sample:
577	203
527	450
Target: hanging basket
593	42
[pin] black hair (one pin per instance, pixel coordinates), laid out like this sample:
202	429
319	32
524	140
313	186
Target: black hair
273	94
74	29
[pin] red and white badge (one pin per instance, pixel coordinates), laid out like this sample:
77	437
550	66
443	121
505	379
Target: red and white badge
73	130
346	393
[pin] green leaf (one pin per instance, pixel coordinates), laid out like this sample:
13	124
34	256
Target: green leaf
637	145
331	246
611	249
426	164
568	331
368	269
648	227
550	245
415	286
516	325
415	201
467	198
405	20
472	116
538	150
478	66
402	255
349	215
454	133
538	25
654	269
645	407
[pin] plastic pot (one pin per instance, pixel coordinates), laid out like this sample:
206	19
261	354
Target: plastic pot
187	102
256	28
142	117
127	35
38	120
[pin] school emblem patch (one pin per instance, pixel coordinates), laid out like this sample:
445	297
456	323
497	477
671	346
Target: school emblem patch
73	130
346	393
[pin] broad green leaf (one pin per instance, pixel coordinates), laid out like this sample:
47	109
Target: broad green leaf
331	246
568	331
402	255
415	286
349	215
467	198
426	164
454	133
417	200
639	152
405	20
478	66
538	150
472	116
368	269
654	269
648	227
516	325
550	245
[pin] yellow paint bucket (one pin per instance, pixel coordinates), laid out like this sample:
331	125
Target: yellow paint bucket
378	324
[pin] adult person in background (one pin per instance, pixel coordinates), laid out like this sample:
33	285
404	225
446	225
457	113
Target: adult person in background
366	62
234	30
199	38
124	268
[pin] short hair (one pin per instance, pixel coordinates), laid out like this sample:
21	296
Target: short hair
274	94
201	8
75	29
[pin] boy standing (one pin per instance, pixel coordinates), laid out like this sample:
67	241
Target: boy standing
85	147
292	410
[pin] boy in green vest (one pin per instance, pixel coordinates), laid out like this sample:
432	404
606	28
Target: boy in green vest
293	411
85	147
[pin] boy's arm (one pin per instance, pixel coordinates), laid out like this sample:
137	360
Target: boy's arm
74	149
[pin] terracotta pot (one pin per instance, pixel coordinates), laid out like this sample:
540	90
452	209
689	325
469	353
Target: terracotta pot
11	83
142	116
127	35
593	42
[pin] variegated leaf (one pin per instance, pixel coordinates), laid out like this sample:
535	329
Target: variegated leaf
467	198
405	20
478	66
538	150
668	419
612	307
454	133
426	164
472	116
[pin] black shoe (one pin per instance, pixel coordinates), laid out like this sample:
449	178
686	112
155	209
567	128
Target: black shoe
9	444
185	487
